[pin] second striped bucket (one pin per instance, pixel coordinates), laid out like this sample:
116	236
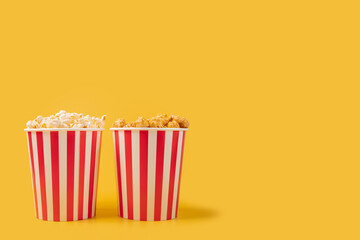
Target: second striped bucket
64	167
148	168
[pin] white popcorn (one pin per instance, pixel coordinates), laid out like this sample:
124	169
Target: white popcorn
29	124
32	124
101	124
79	125
43	124
63	116
75	115
64	119
53	124
39	119
60	113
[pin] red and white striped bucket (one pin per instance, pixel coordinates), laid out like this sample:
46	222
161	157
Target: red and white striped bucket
148	168
64	170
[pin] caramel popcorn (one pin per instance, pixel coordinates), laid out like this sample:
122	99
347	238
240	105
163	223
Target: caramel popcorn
173	124
160	121
165	119
141	122
132	124
157	122
183	122
64	119
119	123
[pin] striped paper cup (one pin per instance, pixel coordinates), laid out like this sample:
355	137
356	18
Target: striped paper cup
148	169
64	170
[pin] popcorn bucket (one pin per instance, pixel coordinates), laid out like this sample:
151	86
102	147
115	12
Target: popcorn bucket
148	168
64	170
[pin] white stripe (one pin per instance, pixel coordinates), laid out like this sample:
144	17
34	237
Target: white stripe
123	173
87	173
117	177
151	175
63	174
37	176
135	142
48	175
177	173
76	174
31	171
96	171
166	175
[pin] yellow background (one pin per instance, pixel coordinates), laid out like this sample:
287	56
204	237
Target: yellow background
271	89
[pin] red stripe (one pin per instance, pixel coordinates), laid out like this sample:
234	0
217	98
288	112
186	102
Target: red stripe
54	139
118	171
97	172
181	162
81	174
70	174
143	174
159	173
92	172
40	146
172	172
33	172
129	182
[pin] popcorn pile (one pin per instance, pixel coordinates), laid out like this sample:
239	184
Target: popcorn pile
160	121
64	119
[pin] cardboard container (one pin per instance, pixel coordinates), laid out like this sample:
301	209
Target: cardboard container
64	166
148	168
